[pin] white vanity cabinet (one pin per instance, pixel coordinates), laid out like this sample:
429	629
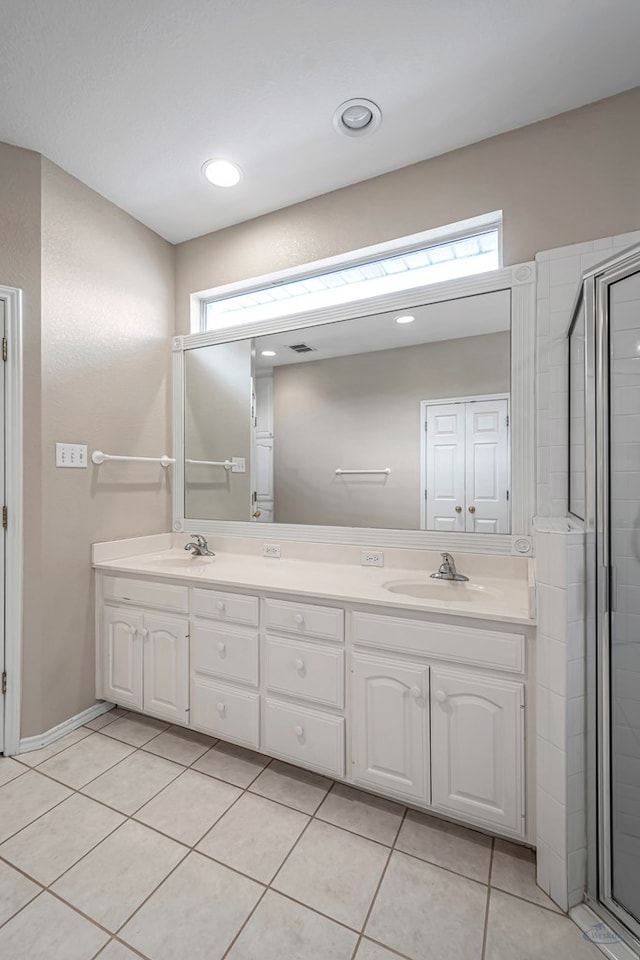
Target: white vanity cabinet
225	666
390	725
424	708
449	737
477	737
145	662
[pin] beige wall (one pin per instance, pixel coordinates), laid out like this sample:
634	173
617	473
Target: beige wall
107	315
218	427
571	178
364	411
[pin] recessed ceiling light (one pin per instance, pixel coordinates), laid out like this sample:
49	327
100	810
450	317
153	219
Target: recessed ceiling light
222	173
405	319
267	353
355	118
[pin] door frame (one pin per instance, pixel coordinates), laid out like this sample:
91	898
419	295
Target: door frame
423	442
12	297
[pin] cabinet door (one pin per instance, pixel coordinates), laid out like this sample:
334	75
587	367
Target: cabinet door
477	748
166	667
122	656
391	725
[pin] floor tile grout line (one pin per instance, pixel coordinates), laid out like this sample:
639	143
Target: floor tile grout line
555	911
380	881
268	886
485	926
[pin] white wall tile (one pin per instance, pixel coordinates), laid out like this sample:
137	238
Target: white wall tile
552	825
557	730
563	270
552	771
558	880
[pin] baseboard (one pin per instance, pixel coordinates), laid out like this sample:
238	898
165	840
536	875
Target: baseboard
49	736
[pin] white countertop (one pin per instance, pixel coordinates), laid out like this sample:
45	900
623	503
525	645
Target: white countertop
493	598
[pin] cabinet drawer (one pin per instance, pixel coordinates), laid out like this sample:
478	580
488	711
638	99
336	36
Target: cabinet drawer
224	652
231	607
165	596
502	651
305	619
304	736
305	670
225	712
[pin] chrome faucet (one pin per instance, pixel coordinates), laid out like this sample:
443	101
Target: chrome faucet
201	548
447	570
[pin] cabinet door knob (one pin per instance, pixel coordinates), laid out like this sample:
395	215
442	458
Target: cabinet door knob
220	605
298	618
221	647
458	509
440	696
145	633
221	709
472	509
300	665
416	693
133	631
298	730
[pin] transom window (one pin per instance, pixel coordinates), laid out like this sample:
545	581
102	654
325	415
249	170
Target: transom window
459	256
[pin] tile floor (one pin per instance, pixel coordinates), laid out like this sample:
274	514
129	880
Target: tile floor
129	838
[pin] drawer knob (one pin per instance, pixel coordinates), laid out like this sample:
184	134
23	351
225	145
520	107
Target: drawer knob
440	696
298	730
416	693
299	619
300	665
221	709
221	647
220	605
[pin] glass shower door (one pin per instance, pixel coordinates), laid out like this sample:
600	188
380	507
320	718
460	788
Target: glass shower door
620	299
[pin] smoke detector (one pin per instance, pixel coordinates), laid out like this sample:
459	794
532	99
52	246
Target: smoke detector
357	118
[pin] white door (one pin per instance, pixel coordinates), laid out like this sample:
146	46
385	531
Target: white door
2	551
466	466
445	467
487	466
391	725
477	751
166	667
264	478
122	656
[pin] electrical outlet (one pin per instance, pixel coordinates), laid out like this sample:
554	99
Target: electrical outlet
71	455
372	558
238	465
271	550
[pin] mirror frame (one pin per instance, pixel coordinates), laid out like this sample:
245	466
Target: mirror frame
520	279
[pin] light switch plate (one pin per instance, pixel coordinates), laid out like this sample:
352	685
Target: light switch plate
71	455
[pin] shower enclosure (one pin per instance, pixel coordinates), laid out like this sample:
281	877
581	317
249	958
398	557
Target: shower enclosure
604	492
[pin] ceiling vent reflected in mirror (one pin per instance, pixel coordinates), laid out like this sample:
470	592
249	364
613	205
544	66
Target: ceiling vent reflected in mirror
301	348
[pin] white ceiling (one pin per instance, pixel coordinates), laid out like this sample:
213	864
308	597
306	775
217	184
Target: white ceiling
447	320
132	96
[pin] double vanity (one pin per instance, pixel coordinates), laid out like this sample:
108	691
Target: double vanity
413	688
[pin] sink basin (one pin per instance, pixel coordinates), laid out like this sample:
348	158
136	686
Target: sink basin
448	591
180	561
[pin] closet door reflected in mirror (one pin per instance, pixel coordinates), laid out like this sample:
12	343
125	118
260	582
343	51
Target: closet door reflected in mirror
466	465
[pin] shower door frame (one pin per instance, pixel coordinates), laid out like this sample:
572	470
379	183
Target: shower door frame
594	294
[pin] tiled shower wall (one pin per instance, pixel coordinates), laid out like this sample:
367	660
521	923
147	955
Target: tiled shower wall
560	575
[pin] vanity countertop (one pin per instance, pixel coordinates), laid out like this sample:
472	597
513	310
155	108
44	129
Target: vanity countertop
484	598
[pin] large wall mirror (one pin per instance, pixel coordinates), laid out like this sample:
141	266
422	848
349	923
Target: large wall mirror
402	422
